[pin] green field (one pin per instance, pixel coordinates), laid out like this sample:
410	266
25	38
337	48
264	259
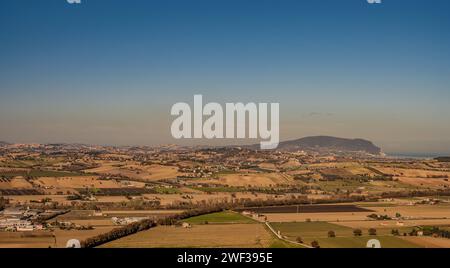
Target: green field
361	242
219	189
310	231
219	217
163	190
277	243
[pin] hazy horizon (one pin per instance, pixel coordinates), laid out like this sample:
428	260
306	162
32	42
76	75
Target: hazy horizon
193	143
108	73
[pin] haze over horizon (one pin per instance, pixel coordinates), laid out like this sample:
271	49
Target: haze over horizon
108	73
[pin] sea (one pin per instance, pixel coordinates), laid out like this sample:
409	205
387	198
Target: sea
416	155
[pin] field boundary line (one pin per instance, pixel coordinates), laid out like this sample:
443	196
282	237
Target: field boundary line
284	239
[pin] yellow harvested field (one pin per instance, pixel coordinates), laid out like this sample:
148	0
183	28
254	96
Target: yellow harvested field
291	163
76	182
428	242
157	172
131	170
334	165
24	199
300	172
343	168
359	170
329	217
15	183
26	240
413	173
112	199
421	182
45	239
255	180
416	212
209	236
267	166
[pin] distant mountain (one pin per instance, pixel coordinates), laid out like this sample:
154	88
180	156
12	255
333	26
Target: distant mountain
329	144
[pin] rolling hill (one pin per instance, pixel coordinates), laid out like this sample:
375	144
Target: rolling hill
328	144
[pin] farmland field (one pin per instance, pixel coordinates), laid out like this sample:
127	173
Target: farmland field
45	239
429	242
253	180
39	173
308	209
219	217
214	235
132	170
223	229
361	242
19	192
14	183
318	231
75	182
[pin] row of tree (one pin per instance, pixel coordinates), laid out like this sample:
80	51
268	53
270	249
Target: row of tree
189	204
416	193
42	218
3	203
118	233
145	225
358	232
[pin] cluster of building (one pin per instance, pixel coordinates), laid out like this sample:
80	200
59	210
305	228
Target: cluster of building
19	220
127	220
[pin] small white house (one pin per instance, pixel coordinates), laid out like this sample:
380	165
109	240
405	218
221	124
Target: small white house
97	213
186	225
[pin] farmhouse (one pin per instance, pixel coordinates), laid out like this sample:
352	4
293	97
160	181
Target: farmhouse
127	220
186	225
14	224
97	213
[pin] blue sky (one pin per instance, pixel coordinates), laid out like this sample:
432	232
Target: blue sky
108	71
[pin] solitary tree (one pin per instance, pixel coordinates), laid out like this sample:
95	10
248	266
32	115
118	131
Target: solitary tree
299	240
315	244
372	231
357	232
331	234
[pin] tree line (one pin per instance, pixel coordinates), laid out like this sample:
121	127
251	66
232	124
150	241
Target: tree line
146	225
